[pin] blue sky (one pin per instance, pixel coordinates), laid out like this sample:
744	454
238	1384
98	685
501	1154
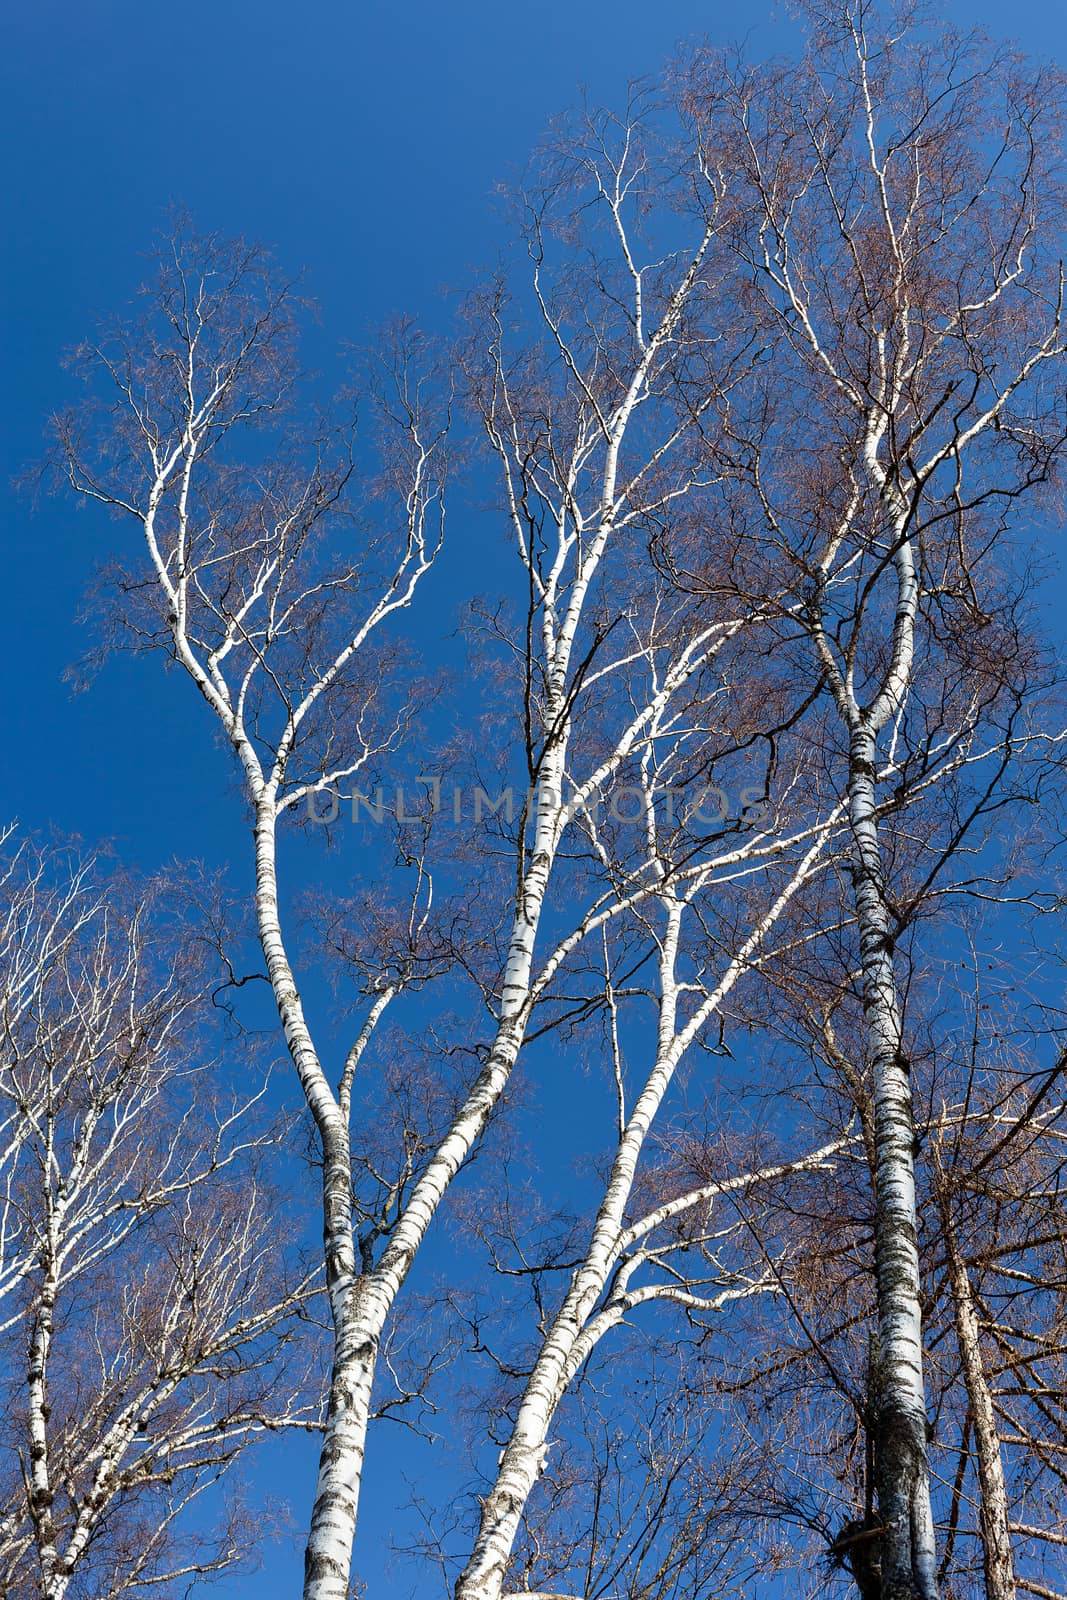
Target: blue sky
363	141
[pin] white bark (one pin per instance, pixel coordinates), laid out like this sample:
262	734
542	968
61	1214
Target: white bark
145	1230
907	1546
232	600
601	1292
994	1513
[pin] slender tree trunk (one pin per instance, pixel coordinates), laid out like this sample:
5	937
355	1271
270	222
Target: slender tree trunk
328	1553
567	1344
997	1560
38	1476
907	1555
361	1304
578	1324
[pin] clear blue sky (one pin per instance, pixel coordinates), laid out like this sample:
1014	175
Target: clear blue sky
363	141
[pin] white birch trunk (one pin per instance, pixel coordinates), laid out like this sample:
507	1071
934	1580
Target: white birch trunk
40	1492
357	1338
997	1562
578	1324
328	1552
362	1304
564	1349
241	629
909	1570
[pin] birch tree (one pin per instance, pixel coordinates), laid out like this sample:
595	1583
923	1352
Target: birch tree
996	1183
252	589
652	1242
817	622
614	300
910	261
860	404
276	619
146	1310
991	1315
